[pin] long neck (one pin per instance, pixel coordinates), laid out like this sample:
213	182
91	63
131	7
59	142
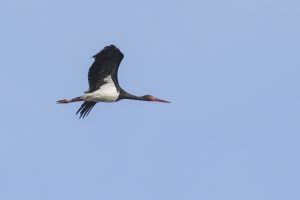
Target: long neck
126	95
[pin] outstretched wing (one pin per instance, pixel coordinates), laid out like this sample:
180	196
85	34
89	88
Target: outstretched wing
85	108
106	64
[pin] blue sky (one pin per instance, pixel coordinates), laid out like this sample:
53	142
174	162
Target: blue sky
230	69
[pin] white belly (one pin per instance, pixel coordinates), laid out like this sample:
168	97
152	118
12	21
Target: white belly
106	93
102	95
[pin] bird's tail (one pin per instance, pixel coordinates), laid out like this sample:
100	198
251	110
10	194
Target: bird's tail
69	100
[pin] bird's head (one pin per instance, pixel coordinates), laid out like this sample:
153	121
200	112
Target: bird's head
152	98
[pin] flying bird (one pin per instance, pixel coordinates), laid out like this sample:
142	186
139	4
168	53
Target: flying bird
103	82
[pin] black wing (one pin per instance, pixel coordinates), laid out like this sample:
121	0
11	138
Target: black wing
106	63
85	108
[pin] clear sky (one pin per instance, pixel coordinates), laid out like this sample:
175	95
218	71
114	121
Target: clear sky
230	69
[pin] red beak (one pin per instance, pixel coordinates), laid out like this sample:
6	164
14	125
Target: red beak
160	100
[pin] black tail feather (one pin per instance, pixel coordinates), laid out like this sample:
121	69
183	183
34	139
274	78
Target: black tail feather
85	108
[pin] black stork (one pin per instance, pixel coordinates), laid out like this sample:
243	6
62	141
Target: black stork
103	82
